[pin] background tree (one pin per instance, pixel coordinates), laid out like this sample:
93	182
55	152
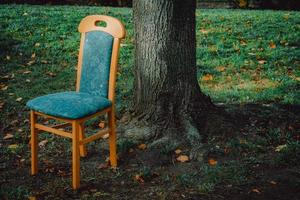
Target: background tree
169	107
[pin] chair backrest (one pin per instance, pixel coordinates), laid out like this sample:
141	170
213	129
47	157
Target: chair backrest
98	55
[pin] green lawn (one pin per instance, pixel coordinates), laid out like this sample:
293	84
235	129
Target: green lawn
243	57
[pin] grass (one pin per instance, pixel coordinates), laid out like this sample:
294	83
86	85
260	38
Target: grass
243	57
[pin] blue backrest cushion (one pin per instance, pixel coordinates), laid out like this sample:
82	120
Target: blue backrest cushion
96	60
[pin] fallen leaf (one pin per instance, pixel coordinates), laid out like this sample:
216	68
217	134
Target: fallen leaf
207	77
212	162
256	190
27	72
272	45
33	55
182	158
37	44
19	99
51	74
178	151
43	143
103	165
142	146
13	146
44	61
27	80
220	68
105	136
8	136
280	147
30	62
139	178
1	104
7	57
262	62
273	182
204	31
243	42
101	124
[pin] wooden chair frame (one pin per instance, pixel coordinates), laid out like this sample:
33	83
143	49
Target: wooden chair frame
115	28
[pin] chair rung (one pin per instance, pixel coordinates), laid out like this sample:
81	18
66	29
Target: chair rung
53	130
61	125
96	136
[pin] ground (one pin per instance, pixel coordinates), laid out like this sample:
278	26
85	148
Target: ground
248	63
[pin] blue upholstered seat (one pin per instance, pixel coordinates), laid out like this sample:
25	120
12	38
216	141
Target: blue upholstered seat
71	105
93	89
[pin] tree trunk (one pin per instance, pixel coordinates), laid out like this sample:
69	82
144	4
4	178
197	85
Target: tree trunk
168	98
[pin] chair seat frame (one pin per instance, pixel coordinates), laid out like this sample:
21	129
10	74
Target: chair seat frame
115	28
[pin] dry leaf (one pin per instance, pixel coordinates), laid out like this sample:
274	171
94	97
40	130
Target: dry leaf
7	57
37	44
33	55
212	162
280	148
19	99
256	190
207	77
139	178
103	165
43	143
44	61
8	136
1	104
142	146
30	62
273	182
178	151
105	136
243	42
27	72
51	74
101	124
27	80
182	158
32	198
220	68
272	45
262	62
204	31
13	146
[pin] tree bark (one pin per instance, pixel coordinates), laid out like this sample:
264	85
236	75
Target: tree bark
168	98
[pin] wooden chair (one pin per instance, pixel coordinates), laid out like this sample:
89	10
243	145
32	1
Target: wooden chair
94	95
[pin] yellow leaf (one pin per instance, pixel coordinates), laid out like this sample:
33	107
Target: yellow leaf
19	99
212	162
13	146
8	136
207	77
280	148
178	151
182	158
142	146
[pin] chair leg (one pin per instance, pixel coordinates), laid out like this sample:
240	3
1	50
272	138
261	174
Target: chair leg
33	144
82	148
112	139
75	155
